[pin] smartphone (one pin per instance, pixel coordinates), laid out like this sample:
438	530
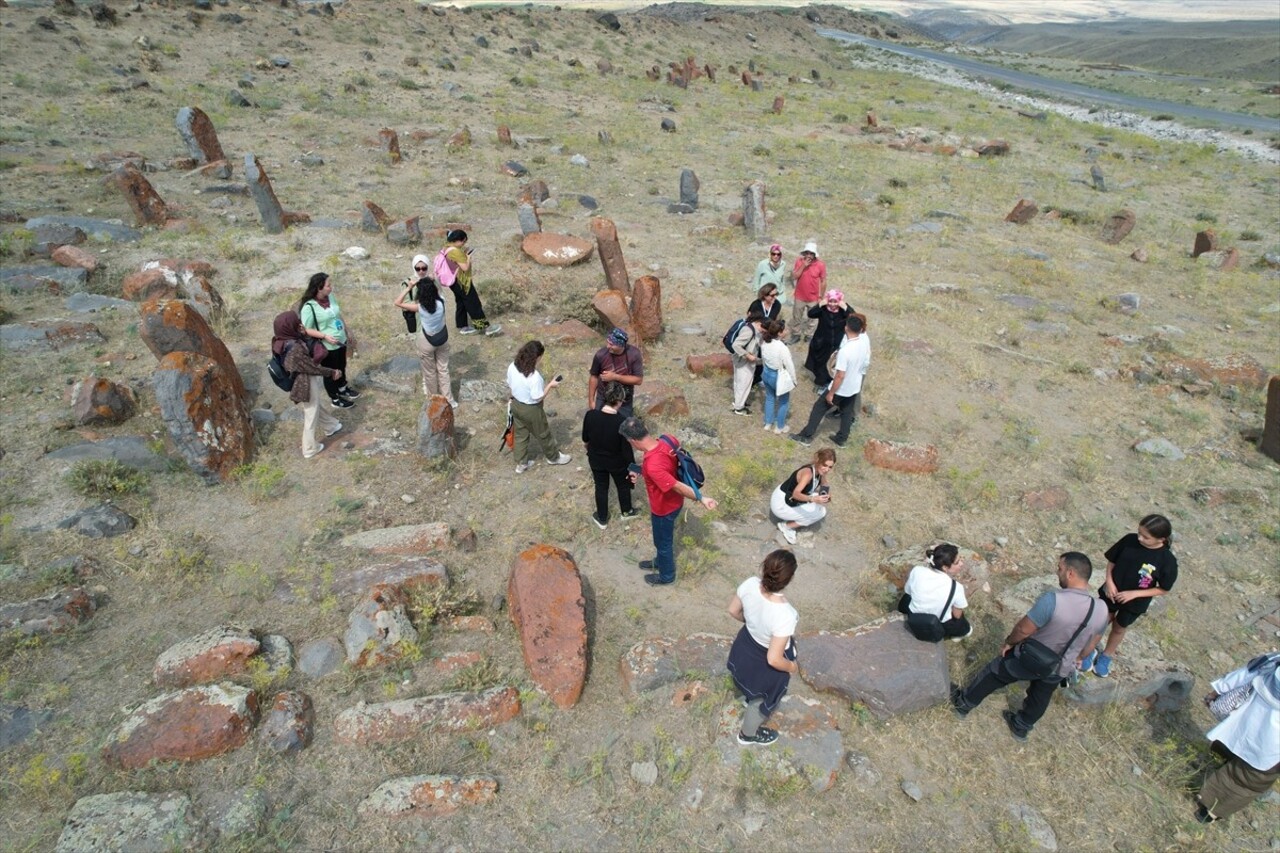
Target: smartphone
559	377
634	468
824	490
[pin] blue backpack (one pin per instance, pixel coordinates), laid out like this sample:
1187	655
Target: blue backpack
690	472
733	333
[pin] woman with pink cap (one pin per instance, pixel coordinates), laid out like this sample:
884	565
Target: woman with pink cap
770	271
827	336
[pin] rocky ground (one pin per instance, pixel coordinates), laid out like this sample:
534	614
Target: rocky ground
218	643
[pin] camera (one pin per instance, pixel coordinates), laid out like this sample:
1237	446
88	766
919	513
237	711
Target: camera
559	378
824	490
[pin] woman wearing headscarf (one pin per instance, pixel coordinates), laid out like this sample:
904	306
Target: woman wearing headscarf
1246	702
421	269
297	351
827	336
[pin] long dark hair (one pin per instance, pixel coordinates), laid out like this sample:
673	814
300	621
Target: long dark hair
428	294
527	357
313	287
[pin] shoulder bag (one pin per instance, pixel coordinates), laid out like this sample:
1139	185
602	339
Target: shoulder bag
928	627
1040	660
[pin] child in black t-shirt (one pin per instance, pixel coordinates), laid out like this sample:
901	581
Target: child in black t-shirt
1139	567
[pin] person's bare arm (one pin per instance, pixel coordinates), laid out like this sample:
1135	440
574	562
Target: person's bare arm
777	655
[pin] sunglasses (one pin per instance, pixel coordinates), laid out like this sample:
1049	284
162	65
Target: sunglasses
775	254
420	269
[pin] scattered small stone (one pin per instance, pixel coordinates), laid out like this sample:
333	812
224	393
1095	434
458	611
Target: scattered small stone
318	658
356	253
889	542
668	125
1160	447
912	790
644	773
1038	829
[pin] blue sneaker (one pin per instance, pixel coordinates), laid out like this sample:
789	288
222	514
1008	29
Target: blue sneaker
1087	663
1102	666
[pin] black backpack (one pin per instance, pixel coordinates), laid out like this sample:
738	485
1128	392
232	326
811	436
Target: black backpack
275	369
691	473
733	333
928	626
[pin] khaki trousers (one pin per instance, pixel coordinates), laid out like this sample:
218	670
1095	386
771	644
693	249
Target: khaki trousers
316	415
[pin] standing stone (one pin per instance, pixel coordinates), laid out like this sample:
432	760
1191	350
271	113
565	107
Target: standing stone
435	429
611	306
274	217
504	135
872	121
604	137
96	401
1118	226
1023	212
173	326
615	266
148	208
1099	182
196	130
407	233
373	219
549	613
459	139
753	211
1270	444
1206	241
203	407
390	144
778	103
646	308
689	186
527	214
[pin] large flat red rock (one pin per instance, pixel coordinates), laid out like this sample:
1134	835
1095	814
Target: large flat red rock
556	250
544	594
190	725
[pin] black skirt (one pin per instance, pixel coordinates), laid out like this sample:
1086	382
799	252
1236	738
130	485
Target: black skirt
749	666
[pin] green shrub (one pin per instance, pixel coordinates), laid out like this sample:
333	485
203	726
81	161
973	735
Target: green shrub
99	478
741	483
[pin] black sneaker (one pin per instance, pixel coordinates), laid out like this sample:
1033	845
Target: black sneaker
763	737
349	392
648	565
631	513
341	403
957	704
655	579
603	525
744	411
1204	815
801	438
837	442
1010	720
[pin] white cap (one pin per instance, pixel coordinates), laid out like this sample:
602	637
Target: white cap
811	246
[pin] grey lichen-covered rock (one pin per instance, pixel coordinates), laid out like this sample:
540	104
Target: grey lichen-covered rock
129	450
132	821
407	572
384	722
1160	447
644	773
809	743
482	391
238	816
318	658
1039	832
655	662
110	230
378	629
289	725
428	795
48	614
18	723
99	522
68	279
277	653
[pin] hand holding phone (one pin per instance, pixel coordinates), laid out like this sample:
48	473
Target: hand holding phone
559	378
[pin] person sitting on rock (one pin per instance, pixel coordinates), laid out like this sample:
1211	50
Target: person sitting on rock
928	588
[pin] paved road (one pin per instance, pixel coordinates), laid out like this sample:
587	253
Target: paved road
1060	88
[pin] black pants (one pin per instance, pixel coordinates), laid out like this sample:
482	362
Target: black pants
467	305
848	415
951	628
336	359
623	484
1002	672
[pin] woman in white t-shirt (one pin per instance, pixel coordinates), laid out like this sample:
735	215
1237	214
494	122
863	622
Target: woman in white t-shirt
763	655
528	390
929	586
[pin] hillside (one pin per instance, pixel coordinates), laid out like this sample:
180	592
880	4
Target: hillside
1036	361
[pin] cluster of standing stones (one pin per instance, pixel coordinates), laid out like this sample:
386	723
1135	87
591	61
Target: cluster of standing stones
207	710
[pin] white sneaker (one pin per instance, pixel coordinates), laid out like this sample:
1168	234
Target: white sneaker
784	429
317	453
788	533
768	427
562	459
453	404
524	466
493	331
336	427
467	330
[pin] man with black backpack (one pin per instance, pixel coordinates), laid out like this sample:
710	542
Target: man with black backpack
1043	649
670	476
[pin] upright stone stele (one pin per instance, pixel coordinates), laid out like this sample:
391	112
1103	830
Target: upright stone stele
148	208
274	217
615	266
1270	443
390	144
753	218
196	130
689	185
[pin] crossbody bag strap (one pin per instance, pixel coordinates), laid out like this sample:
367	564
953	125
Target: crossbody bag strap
946	608
1087	617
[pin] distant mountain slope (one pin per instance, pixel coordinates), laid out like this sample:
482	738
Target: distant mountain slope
1244	50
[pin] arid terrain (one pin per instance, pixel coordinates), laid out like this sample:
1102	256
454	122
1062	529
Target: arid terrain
1033	357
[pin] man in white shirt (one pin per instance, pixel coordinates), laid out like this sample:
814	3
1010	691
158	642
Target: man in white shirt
845	390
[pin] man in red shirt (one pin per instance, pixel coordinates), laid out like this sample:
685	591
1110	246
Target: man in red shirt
666	497
810	277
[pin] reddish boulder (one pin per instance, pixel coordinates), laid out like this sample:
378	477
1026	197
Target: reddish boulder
96	401
203	406
778	103
615	266
709	365
48	614
435	429
197	132
169	326
611	305
544	593
390	143
217	654
74	256
504	135
147	285
1206	241
428	795
189	725
555	250
148	208
460	138
384	722
1023	212
659	398
1223	259
646	308
907	458
1118	226
535	192
290	724
1233	369
994	148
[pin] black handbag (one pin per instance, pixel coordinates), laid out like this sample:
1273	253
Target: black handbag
1040	660
410	321
926	626
439	339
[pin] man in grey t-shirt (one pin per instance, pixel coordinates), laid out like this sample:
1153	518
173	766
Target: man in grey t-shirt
1068	621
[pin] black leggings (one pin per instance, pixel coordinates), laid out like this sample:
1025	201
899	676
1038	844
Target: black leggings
336	359
623	484
467	304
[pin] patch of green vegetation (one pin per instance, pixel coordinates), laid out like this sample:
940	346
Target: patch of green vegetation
102	478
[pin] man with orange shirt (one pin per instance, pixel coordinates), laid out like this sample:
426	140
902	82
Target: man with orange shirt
810	277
